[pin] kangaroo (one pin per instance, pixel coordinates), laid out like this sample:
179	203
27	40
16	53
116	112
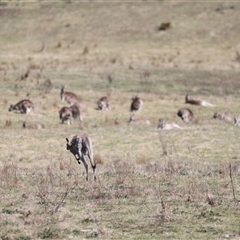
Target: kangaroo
192	101
185	114
65	114
24	106
222	116
75	108
132	120
167	126
69	113
103	103
136	104
69	97
25	125
82	145
237	120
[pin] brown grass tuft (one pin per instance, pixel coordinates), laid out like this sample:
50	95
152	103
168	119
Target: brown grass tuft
8	123
85	51
9	176
98	159
142	160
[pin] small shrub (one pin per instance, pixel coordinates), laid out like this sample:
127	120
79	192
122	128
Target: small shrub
237	57
22	237
59	45
85	51
8	211
164	26
87	220
92	235
49	233
8	123
76	232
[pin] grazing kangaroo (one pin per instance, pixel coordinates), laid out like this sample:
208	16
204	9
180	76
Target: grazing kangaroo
69	113
167	126
65	114
185	114
136	104
192	101
25	125
75	108
103	103
132	120
24	106
222	116
82	145
69	97
237	120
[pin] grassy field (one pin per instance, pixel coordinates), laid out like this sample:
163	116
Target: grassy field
151	184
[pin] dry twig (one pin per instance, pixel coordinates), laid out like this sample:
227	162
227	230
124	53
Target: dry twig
233	189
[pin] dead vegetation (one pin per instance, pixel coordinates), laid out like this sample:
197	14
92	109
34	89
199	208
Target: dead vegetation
164	26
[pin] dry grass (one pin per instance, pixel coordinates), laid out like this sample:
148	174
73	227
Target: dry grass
181	184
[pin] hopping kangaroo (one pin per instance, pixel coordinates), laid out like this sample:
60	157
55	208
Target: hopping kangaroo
136	104
167	126
69	113
185	114
222	116
69	97
24	106
192	101
82	145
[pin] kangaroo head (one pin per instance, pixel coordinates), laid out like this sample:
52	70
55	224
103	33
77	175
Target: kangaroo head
161	123
10	108
185	118
62	91
63	88
135	97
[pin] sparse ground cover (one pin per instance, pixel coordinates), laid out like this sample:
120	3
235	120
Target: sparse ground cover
180	184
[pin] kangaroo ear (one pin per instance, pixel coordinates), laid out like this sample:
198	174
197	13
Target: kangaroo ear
67	140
